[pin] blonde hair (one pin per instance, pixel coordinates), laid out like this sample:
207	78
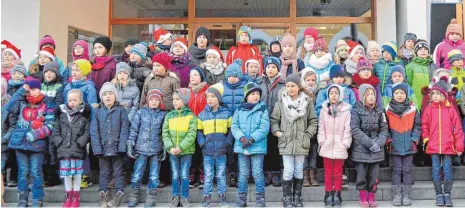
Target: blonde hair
77	91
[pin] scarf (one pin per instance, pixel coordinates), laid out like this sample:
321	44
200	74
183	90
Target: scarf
399	108
180	62
249	106
125	57
276	54
14	84
134	64
320	63
351	66
423	61
7	66
273	82
197	88
78	83
313	89
308	46
407	53
373	81
294	109
73	111
164	47
198	53
99	62
286	61
35	100
332	108
215	69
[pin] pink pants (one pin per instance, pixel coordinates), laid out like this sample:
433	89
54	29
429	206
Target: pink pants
333	174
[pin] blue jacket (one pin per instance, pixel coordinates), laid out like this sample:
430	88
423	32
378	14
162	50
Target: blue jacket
109	130
383	72
146	131
214	131
254	124
349	97
87	88
300	67
250	79
233	94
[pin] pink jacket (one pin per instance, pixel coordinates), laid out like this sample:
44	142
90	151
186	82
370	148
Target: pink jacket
334	134
443	48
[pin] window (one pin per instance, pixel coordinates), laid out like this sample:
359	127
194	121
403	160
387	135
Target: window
242	8
149	8
317	8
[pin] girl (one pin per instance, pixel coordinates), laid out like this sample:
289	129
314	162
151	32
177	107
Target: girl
365	75
103	64
80	69
46	55
369	131
128	92
342	52
214	66
446	76
128	44
305	51
453	40
80	51
137	62
10	57
334	139
70	136
48	42
294	122
181	63
321	61
252	68
356	52
289	60
373	52
18	74
406	51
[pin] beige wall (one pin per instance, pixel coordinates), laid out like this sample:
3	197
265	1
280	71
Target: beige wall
57	15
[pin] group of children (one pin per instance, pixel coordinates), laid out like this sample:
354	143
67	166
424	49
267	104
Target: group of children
167	104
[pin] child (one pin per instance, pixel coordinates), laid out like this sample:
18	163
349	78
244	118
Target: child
5	137
308	79
11	56
443	140
103	64
275	47
214	66
365	76
250	127
356	52
146	146
179	132
294	112
321	61
159	78
404	130
420	71
334	139
128	92
128	44
373	52
202	44
305	51
163	40
48	42
70	136
398	76
457	70
445	75
137	61
18	74
109	131
342	52
272	85
453	40
289	60
384	67
216	141
252	68
46	55
369	132
31	121
80	51
244	49
80	69
406	51
181	63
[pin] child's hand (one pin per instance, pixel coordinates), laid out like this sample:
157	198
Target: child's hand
178	150
173	151
279	134
26	87
459	154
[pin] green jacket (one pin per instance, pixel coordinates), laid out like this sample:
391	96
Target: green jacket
458	77
419	73
180	130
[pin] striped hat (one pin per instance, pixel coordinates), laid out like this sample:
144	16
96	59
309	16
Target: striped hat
155	93
341	44
218	90
390	47
454	55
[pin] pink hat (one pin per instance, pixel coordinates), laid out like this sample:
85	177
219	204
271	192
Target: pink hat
47	39
85	54
312	32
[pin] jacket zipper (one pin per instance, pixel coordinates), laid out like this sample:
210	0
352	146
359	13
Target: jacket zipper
177	132
334	141
233	104
440	131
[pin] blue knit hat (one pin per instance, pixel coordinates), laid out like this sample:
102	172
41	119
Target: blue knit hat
33	83
398	68
390	47
410	36
235	69
140	49
200	71
336	71
251	87
273	60
245	29
400	85
19	68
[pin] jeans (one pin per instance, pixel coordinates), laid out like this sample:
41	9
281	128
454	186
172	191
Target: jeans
30	163
310	159
444	162
333	174
402	169
257	171
109	164
293	167
180	166
139	168
367	174
211	163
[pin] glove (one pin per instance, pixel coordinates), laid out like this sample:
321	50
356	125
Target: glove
375	148
245	142
30	137
130	152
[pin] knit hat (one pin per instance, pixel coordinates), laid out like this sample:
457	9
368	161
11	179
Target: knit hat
288	39
363	63
441	86
336	71
200	71
215	51
253	61
390	47
454	55
105	41
251	87
320	44
47	39
341	45
108	87
155	93
184	94
85	54
33	83
234	69
161	35
354	47
341	91
164	59
245	29
84	66
363	89
420	44
400	85
398	68
218	90
295	78
276	40
410	36
312	32
454	27
49	52
123	66
131	41
19	68
141	50
273	60
182	42
52	66
373	45
9	47
202	31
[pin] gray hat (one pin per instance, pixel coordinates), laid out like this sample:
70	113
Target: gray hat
19	68
123	66
362	90
108	87
184	94
52	66
295	78
338	87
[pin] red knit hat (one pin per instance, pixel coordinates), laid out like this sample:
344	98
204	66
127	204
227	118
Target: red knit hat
180	41
320	44
49	52
312	32
11	48
161	35
163	59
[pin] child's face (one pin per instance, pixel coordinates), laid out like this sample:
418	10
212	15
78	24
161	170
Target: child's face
454	37
123	76
292	89
154	103
50	76
365	73
309	39
343	53
423	53
202	41
397	77
8	57
252	69
244	38
409	44
158	69
127	49
275	48
17	76
334	95
194	77
338	80
271	70
99	50
167	42
288	50
310	80
370	98
458	63
134	57
399	96
78	50
109	98
212	59
358	54
43	59
35	92
436	96
212	100
387	56
320	53
375	54
177	102
178	50
233	80
253	97
74	99
76	73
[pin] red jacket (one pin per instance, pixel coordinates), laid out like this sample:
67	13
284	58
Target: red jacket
451	98
442	129
198	101
244	52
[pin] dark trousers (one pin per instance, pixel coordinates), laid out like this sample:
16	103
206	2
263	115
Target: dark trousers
232	161
108	165
197	164
273	161
12	163
402	169
367	174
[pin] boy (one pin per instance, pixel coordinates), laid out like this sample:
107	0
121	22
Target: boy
244	49
18	74
406	51
137	61
397	76
457	70
383	68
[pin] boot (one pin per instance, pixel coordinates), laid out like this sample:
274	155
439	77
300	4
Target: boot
298	192
313	180
222	200
151	200
328	199
76	199
22	199
260	200
447	191
337	200
439	194
116	201
406	195
364	198
37	203
268	178
185	202
133	197
175	201
397	195
277	178
207	200
103	199
68	199
306	178
456	161
287	193
241	200
371	199
201	179
192	178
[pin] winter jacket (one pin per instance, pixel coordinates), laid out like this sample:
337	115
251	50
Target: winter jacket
388	95
360	81
443	48
244	52
167	84
21	118
320	67
214	131
53	92
198	100
419	73
140	73
300	67
250	124
105	74
128	97
441	129
71	137
458	77
462	100
368	127
87	88
334	133
212	79
146	129
233	94
296	136
5	129
383	71
271	92
452	94
404	130
405	60
198	54
109	130
181	66
250	79
180	130
322	96
12	88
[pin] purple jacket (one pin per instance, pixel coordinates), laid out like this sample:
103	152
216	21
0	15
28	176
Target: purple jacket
101	75
181	66
443	48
